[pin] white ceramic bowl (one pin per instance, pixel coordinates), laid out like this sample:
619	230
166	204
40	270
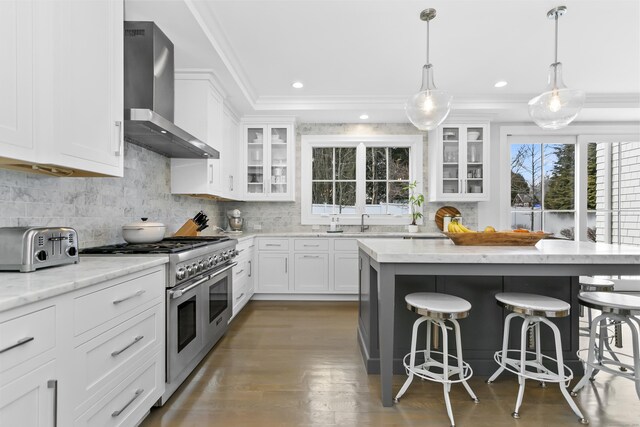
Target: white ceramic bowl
143	232
473	135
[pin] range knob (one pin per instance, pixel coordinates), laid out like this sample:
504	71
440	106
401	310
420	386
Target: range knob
189	270
215	259
181	273
210	262
195	267
225	255
202	264
234	253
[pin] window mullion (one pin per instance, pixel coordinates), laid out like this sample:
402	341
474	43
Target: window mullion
361	187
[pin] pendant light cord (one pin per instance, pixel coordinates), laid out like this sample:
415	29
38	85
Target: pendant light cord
427	42
556	47
555	62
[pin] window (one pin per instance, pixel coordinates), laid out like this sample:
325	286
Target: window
543	184
347	176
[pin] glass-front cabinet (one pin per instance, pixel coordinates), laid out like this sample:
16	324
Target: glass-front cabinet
269	161
459	163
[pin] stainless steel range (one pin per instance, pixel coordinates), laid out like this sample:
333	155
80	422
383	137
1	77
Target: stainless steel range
199	300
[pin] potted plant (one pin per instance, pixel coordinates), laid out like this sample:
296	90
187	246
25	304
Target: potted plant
415	201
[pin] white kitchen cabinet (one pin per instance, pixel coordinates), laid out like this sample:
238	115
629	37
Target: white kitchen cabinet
30	400
243	283
273	272
311	272
61	96
201	111
459	163
268	161
345	272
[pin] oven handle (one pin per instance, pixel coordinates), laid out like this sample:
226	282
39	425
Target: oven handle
233	264
178	293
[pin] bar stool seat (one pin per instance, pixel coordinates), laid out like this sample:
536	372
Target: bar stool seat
437	309
533	310
594	284
615	307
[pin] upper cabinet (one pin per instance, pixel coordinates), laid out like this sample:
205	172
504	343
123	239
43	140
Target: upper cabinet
61	95
201	111
459	163
269	161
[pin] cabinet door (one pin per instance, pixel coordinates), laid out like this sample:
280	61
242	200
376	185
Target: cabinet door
229	159
451	176
255	159
87	85
16	80
30	399
311	272
345	272
475	161
280	140
273	272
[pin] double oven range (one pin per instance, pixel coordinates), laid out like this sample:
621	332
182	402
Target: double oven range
198	297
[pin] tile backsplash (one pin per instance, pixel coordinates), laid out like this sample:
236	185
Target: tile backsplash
98	207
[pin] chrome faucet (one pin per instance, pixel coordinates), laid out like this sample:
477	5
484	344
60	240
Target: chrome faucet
362	226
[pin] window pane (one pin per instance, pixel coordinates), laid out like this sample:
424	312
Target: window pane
561	224
559	171
526	176
322	197
376	193
526	219
322	163
398	198
376	163
346	197
346	163
399	164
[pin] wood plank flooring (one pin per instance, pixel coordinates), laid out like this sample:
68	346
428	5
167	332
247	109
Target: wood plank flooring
298	364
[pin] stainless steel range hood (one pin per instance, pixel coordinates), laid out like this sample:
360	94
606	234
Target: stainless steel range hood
149	95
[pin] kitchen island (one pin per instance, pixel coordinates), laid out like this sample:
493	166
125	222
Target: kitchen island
390	269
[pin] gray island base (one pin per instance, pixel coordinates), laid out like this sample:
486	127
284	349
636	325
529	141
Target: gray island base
390	269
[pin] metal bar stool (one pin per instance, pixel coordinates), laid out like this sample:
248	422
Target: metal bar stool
436	309
533	310
620	308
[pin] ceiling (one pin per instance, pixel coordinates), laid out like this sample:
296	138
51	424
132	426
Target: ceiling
357	56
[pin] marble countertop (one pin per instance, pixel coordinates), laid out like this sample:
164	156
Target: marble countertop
351	235
544	252
17	289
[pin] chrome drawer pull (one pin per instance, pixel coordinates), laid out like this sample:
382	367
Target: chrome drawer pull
240	297
135	340
135	396
238	272
273	244
54	385
18	344
310	246
311	256
137	294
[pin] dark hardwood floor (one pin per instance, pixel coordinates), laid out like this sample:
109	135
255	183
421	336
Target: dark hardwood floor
298	364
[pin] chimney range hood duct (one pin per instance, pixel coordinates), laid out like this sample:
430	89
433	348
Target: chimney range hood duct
149	95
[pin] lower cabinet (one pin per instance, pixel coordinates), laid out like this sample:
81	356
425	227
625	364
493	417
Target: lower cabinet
30	399
320	265
61	364
243	274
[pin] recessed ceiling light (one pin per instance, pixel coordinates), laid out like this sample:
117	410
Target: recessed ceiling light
163	131
364	116
297	85
501	83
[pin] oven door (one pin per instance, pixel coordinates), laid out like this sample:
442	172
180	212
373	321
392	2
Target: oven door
217	305
185	338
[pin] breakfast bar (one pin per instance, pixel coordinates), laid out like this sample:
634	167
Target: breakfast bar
392	268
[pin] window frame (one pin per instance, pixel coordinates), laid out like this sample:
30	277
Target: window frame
361	142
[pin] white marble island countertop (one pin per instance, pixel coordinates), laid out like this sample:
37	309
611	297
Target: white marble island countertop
17	289
544	252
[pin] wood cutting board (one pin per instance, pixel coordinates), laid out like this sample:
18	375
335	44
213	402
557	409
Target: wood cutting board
445	210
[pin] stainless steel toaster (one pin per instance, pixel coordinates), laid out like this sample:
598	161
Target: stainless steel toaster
29	248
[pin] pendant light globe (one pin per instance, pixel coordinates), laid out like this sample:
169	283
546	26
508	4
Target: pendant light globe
558	105
430	107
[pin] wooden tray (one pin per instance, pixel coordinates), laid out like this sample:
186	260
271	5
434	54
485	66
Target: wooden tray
499	238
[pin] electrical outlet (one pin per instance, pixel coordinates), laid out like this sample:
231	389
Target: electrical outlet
315	227
257	226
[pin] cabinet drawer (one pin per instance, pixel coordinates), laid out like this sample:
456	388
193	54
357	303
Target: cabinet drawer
100	359
345	245
27	336
240	271
128	402
245	244
311	245
96	308
273	244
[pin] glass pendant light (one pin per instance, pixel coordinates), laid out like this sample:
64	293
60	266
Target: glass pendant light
559	105
430	107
